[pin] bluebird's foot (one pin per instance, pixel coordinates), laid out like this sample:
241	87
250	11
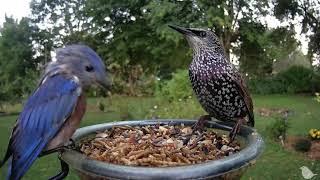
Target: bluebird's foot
71	145
64	171
236	129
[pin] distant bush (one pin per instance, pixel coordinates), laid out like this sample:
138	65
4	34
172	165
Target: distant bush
132	80
278	128
296	79
302	145
101	106
178	87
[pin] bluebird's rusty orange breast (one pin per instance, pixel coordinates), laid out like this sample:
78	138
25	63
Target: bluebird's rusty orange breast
70	125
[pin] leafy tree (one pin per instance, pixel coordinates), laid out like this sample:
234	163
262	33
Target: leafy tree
309	10
17	64
137	30
129	34
260	47
59	23
224	17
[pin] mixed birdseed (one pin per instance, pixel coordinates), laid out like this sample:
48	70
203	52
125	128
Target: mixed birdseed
157	145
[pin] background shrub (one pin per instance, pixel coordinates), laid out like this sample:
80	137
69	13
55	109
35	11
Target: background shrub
278	128
178	87
296	79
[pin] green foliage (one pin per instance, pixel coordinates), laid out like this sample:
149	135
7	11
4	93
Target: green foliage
279	127
303	145
101	106
299	79
261	46
136	32
308	11
268	85
317	96
132	80
178	87
295	58
296	79
18	67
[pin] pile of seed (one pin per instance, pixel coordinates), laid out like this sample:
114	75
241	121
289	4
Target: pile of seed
157	145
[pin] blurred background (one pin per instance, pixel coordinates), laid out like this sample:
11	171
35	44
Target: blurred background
274	43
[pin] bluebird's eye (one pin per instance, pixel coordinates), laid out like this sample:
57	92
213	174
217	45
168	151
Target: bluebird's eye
202	34
89	68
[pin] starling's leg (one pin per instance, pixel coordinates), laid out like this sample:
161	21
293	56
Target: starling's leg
199	125
236	129
71	145
64	171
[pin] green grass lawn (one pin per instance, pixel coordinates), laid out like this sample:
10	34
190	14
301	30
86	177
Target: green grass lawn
275	163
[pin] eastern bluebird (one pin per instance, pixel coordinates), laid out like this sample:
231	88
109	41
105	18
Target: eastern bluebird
53	112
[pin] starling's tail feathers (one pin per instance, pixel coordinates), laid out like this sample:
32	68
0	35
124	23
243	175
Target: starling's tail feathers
251	120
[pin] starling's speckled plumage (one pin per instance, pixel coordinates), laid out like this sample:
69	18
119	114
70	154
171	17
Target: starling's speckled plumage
217	84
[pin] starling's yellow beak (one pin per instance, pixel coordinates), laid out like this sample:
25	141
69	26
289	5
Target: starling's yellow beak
181	30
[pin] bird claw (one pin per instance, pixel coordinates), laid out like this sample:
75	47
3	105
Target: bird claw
70	145
63	173
199	125
235	130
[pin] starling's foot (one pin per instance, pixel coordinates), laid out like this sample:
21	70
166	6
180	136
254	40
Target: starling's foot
186	140
235	130
199	125
64	171
70	145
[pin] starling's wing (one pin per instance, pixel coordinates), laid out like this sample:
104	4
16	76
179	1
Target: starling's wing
244	92
43	115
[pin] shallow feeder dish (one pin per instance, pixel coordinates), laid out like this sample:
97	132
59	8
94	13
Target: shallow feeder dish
230	167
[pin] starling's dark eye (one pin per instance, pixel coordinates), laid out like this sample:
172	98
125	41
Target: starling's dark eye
89	68
202	34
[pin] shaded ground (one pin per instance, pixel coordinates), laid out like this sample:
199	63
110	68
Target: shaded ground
275	163
313	153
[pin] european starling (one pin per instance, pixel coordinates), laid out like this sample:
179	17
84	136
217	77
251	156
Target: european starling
218	85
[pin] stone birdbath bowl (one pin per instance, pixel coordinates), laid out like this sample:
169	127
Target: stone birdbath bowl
230	167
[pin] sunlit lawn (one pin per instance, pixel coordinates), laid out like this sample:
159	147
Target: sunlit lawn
275	163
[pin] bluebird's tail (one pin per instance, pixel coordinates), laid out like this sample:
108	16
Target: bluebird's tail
9	171
6	157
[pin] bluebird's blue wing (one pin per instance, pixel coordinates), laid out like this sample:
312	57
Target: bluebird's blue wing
41	119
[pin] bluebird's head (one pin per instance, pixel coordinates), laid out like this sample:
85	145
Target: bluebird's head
200	38
83	62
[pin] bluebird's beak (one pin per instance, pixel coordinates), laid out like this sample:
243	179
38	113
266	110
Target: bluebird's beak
106	85
181	30
103	82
